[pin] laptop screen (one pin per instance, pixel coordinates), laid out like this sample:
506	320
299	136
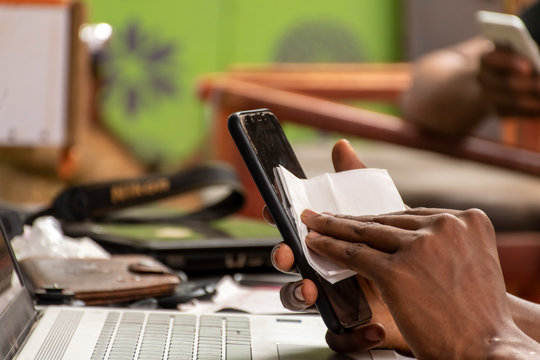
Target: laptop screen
16	309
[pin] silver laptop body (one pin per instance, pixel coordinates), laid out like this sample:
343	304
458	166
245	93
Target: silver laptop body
72	333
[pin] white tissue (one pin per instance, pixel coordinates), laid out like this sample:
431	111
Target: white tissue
354	192
45	238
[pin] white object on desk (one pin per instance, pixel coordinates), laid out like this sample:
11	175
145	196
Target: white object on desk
231	295
34	65
355	192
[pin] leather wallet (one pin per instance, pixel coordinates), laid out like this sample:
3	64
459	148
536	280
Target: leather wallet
99	281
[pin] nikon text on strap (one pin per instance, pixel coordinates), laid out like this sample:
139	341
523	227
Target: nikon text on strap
99	202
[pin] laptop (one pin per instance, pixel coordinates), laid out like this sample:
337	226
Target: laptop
63	332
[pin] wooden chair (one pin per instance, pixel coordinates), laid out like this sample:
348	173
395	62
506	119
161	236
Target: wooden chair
295	93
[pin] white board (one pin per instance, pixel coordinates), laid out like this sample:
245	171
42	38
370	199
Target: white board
34	61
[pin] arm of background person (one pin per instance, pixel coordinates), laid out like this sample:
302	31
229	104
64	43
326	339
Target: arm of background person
445	95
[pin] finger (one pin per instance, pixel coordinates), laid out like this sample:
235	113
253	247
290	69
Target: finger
496	83
514	95
299	295
433	217
378	236
282	257
516	106
359	257
525	108
431	211
401	220
412	211
267	216
507	60
492	81
344	157
409	219
522	84
422	211
363	338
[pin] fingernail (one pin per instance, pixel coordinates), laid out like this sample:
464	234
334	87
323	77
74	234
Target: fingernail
308	213
373	334
273	253
298	294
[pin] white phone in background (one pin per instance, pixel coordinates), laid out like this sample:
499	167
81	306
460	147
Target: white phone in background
509	30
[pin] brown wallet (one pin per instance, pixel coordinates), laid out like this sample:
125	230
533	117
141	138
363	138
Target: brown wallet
99	281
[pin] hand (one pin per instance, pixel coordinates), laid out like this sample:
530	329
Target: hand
437	271
382	331
510	82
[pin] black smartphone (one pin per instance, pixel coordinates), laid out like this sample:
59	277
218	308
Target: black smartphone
263	146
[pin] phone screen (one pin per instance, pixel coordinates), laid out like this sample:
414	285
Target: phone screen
264	146
271	145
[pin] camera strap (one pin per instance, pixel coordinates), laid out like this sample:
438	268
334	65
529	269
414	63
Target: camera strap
100	202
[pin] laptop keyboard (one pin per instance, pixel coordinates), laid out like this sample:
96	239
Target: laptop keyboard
137	335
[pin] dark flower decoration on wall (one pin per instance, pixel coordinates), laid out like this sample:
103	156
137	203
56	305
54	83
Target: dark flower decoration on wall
139	69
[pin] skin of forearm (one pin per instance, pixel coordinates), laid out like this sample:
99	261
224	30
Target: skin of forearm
517	347
445	95
516	343
526	315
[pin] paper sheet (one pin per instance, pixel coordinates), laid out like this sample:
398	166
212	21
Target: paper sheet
34	71
354	192
230	295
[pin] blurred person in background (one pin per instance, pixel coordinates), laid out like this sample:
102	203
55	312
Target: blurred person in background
455	88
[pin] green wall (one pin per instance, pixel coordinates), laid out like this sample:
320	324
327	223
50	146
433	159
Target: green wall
159	49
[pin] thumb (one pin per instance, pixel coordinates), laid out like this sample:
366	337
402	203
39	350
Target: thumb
363	338
344	157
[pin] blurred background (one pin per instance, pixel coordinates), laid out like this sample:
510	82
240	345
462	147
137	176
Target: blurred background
159	50
137	88
146	58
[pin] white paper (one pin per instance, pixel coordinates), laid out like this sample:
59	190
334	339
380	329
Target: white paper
262	300
355	192
34	66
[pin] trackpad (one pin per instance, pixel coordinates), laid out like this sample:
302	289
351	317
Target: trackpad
303	352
